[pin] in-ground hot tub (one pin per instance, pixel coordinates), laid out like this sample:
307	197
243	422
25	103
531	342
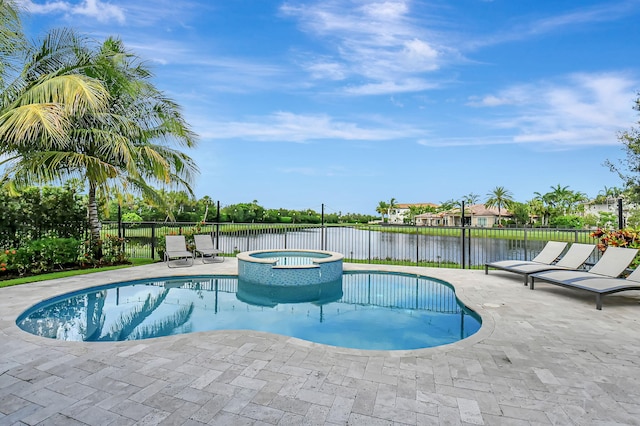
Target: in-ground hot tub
289	267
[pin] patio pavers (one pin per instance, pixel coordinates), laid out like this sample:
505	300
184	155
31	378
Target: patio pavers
542	357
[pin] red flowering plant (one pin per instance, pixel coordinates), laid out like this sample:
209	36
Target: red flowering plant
621	238
6	264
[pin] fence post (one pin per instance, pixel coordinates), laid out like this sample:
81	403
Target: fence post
462	247
369	248
218	225
153	241
122	244
417	247
526	253
119	221
620	215
469	248
322	234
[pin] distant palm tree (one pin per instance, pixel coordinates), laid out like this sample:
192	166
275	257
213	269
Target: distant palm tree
608	194
392	205
207	201
539	208
383	209
471	198
447	205
499	197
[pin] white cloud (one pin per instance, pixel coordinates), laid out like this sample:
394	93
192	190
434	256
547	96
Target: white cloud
581	109
96	9
489	100
390	87
585	15
466	141
326	70
290	127
580	17
373	43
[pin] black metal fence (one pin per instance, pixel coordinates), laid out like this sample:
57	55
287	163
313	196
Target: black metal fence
453	247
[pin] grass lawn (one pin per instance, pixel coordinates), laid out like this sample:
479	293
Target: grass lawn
63	274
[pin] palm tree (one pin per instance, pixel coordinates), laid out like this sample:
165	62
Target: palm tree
392	205
447	205
608	194
12	40
207	201
131	147
383	209
37	104
538	208
560	196
543	204
123	148
471	198
499	197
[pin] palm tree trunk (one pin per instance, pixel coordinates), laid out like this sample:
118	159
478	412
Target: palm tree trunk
94	223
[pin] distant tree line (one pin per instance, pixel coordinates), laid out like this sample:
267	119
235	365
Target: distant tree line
178	206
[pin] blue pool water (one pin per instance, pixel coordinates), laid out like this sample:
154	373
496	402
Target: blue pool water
362	310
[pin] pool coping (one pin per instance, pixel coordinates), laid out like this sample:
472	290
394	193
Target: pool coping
247	256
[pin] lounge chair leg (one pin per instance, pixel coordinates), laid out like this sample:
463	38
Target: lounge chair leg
599	302
526	279
486	269
531	284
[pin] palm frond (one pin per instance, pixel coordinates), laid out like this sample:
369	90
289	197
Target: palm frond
33	124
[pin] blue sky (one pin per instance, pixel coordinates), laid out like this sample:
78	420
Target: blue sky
350	102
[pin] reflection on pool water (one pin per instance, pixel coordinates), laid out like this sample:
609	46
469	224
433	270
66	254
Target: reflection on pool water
362	310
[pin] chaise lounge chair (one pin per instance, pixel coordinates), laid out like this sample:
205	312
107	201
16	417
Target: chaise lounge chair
549	254
574	258
204	248
601	279
176	250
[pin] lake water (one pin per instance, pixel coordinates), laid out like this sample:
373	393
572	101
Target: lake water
369	245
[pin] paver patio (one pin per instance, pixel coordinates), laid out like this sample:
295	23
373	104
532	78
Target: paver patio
541	357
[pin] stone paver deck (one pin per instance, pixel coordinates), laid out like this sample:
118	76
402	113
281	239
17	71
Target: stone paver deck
541	357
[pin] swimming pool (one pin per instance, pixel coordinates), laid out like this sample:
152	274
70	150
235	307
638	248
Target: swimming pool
363	310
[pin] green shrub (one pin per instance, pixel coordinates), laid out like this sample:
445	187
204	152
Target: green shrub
112	249
567	222
40	256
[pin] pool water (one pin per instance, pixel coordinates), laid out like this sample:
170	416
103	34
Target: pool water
363	310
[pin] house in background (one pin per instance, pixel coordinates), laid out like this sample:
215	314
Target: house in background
475	215
399	212
611	207
431	219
